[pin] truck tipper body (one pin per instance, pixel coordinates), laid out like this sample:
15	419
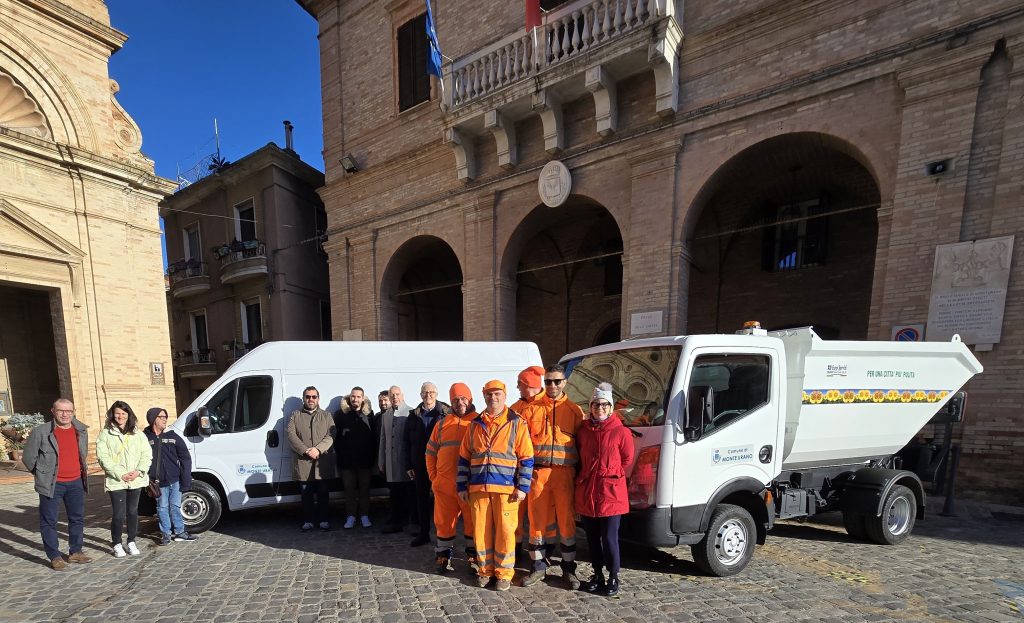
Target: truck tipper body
735	431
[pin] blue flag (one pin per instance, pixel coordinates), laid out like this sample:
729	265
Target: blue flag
434	60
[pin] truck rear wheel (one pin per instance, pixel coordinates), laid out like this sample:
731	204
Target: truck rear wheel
854	523
728	545
200	507
899	512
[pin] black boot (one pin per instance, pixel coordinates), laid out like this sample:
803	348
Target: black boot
595	584
611	588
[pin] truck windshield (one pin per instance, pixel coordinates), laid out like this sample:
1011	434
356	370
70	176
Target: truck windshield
640	378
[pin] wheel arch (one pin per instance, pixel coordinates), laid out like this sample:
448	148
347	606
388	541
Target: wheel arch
866	489
745	492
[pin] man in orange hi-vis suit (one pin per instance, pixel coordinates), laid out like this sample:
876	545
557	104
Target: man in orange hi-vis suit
495	467
442	467
553	421
530	385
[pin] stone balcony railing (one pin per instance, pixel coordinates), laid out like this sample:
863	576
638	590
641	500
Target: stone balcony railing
582	47
248	260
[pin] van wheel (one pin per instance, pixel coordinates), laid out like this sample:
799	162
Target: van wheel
200	507
728	545
854	523
899	512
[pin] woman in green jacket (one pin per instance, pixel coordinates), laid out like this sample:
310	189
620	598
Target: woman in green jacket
124	455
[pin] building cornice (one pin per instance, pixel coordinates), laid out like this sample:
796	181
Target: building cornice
110	37
68	157
267	156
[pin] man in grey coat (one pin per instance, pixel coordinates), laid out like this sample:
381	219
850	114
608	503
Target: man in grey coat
311	435
391	459
55	454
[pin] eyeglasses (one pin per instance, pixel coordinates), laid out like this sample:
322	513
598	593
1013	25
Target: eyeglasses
309	397
429	393
553	381
161	417
65	411
603	405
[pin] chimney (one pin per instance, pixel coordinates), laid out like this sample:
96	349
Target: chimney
288	143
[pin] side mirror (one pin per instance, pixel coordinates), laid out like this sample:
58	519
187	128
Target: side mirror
205	427
700	406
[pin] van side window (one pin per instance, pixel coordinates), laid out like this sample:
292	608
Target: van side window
254	397
221	407
739	384
241	405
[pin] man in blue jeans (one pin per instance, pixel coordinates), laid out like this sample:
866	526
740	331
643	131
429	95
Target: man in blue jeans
55	454
173	471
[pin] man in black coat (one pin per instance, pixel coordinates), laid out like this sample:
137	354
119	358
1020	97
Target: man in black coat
418	427
358	438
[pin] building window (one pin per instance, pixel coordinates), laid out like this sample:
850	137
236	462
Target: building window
413	50
200	338
193	246
245	221
796	236
252	323
325	320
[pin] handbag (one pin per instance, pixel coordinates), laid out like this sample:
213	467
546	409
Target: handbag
153	488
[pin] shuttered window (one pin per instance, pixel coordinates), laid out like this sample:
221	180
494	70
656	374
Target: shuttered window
413	50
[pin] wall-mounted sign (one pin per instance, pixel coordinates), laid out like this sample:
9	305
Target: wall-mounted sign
645	322
156	373
5	403
554	184
969	283
908	333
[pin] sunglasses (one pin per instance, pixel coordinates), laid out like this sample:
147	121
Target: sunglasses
553	381
309	397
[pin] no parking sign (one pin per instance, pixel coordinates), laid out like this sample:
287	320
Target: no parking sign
908	333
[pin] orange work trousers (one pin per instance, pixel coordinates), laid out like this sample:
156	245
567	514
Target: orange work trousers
447	510
552	512
494	531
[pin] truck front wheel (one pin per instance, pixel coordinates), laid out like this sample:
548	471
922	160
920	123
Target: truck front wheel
200	507
899	512
728	545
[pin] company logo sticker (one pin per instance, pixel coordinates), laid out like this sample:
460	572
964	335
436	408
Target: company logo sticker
737	454
836	369
252	468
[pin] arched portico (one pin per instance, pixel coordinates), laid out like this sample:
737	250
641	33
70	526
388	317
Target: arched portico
421	292
785	232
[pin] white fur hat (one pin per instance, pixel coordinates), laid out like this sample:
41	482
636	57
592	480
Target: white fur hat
603	392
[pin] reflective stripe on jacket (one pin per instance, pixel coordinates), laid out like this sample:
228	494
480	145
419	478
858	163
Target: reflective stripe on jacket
443	448
496	455
553	427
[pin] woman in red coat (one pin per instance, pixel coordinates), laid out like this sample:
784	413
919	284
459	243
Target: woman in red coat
605	449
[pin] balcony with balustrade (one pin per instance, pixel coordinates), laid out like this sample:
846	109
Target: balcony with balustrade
195	363
582	47
240	261
188	278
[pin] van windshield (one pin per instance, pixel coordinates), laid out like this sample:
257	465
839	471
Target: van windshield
640	378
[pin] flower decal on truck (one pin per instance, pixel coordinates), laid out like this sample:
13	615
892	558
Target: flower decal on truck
876	396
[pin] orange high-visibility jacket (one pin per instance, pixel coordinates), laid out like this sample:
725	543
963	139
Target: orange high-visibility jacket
519	406
443	448
553	426
496	455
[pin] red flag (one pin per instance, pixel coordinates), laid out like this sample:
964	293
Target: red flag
532	14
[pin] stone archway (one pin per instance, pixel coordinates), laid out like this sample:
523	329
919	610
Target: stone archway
565	265
785	233
421	292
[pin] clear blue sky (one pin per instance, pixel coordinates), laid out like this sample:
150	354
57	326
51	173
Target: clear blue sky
249	63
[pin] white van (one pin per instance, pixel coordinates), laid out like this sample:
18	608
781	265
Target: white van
242	460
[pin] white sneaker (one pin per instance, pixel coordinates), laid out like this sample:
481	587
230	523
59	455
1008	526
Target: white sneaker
119	551
366	522
133	549
350	522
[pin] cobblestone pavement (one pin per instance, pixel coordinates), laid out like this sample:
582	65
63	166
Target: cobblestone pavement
257	566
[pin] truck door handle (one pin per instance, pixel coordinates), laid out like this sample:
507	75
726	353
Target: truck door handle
765	454
272	439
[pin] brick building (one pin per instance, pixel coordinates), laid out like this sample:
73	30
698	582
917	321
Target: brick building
728	161
81	293
245	264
